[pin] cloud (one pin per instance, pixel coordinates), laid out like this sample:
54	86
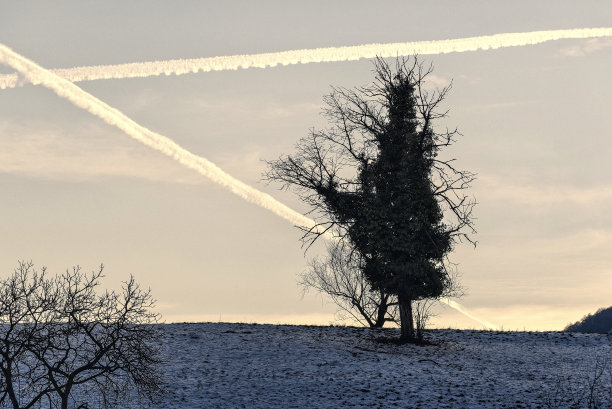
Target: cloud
537	195
268	110
61	154
587	47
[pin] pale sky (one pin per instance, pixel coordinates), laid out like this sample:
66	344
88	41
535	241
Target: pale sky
535	122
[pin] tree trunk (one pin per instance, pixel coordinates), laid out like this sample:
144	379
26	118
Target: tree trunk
65	395
9	386
406	320
382	310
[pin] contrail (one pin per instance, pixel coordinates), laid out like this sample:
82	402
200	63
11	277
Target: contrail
112	116
163	144
306	56
468	314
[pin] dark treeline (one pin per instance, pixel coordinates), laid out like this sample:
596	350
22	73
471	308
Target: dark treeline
600	322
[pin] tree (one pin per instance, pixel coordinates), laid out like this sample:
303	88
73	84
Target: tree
340	276
64	344
375	180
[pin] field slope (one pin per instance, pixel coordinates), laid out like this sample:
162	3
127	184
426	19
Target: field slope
218	365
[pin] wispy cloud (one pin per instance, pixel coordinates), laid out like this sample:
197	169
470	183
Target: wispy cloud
89	153
571	249
535	194
264	110
587	47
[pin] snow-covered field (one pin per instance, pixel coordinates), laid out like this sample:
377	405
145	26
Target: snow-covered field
218	365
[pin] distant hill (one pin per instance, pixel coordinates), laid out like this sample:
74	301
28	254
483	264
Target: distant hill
600	322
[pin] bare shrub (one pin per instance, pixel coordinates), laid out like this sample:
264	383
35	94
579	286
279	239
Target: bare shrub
590	388
422	308
340	276
63	344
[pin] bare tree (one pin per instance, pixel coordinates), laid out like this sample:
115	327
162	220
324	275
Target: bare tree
421	310
340	276
67	345
27	300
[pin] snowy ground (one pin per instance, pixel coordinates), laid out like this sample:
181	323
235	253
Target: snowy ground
268	366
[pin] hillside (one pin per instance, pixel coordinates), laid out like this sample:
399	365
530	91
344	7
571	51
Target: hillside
217	365
600	322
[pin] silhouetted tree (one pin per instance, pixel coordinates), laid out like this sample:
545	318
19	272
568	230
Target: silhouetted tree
374	178
63	344
340	276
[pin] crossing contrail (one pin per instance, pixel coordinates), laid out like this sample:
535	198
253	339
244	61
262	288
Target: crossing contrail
468	314
306	56
82	99
161	143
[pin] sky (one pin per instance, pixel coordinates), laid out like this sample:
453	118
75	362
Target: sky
534	120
